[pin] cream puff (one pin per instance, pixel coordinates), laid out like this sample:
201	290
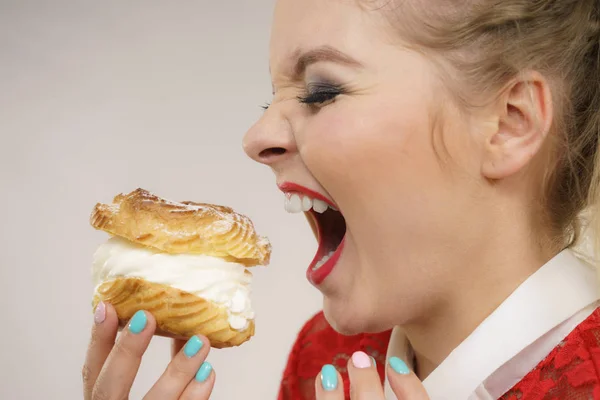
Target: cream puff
186	263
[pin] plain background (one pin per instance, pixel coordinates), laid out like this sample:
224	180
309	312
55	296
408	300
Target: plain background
102	97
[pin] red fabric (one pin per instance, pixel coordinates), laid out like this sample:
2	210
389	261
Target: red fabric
570	372
318	344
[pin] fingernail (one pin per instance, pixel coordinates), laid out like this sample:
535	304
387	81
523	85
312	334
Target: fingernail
138	322
399	366
100	313
204	371
361	360
374	362
192	347
329	378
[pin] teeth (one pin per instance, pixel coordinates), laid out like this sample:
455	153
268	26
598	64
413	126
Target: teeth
293	204
319	206
307	203
322	261
296	203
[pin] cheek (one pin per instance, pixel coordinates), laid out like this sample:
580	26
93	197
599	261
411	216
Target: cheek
368	149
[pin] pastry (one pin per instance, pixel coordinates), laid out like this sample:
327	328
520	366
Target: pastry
184	262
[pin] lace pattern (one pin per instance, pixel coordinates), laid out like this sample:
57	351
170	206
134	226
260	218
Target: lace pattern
569	372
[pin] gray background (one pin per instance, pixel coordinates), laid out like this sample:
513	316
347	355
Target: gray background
102	97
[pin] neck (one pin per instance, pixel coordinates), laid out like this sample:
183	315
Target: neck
458	313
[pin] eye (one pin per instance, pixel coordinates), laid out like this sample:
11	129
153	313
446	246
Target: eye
265	106
320	94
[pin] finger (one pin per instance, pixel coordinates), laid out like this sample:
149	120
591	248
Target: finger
120	369
104	332
365	383
181	370
329	384
202	385
404	383
176	346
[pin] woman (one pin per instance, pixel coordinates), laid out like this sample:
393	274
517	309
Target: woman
445	152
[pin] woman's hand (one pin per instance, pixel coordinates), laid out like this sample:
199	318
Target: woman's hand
111	366
365	383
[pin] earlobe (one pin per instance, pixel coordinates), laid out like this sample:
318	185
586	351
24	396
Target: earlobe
524	116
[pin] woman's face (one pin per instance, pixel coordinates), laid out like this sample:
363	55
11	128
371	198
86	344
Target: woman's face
352	122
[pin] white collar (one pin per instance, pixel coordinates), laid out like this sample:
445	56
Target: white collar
558	290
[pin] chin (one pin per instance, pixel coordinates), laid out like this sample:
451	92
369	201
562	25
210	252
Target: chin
349	320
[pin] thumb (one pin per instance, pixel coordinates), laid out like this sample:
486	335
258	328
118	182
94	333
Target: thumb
405	384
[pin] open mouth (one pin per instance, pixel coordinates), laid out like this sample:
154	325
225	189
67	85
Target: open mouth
331	229
328	224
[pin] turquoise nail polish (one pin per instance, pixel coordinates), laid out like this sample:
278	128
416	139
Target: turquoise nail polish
204	372
138	322
329	378
399	366
374	362
193	346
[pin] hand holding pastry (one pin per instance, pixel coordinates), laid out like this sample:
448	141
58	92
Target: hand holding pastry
171	269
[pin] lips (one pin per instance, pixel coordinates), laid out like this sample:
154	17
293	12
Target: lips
330	227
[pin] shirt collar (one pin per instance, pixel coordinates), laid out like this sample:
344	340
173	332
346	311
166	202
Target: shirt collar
555	292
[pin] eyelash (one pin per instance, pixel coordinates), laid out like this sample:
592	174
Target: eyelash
317	95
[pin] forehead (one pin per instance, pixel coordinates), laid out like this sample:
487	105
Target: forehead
301	25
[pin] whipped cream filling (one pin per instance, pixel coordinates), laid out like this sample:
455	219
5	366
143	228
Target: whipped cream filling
211	278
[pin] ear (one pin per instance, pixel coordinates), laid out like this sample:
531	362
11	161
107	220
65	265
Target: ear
524	115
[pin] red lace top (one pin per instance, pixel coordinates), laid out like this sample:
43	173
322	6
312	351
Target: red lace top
570	372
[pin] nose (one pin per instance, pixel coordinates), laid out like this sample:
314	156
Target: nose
271	140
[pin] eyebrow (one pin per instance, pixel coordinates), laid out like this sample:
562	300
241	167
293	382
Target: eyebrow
322	54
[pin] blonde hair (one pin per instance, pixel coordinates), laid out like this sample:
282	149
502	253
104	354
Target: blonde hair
482	44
